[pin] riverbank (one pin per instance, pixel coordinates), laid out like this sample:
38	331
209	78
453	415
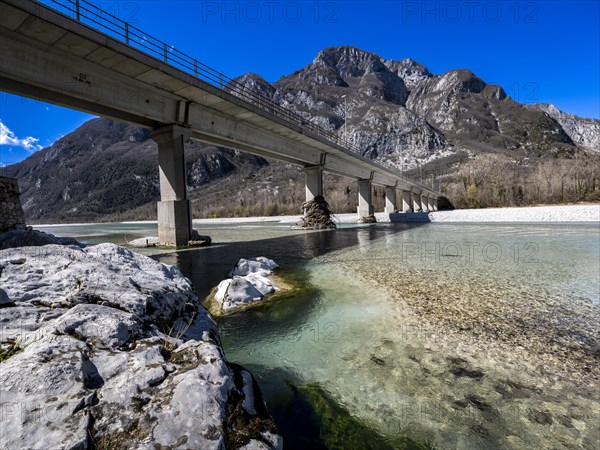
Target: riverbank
466	336
532	214
529	214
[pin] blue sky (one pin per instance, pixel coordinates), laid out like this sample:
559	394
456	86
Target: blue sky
539	51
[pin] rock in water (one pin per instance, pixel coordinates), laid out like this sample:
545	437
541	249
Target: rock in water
368	219
196	240
249	284
316	215
116	352
259	266
244	290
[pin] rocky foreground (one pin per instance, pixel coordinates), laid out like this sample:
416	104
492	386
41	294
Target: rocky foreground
105	348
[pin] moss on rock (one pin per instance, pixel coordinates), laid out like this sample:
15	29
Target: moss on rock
289	283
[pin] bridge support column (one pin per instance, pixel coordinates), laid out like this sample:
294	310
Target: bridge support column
435	203
406	201
390	199
365	203
416	202
424	203
314	182
174	213
430	203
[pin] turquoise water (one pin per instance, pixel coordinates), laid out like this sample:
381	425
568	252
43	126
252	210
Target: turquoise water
462	335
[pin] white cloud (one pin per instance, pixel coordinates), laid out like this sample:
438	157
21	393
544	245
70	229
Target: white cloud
7	137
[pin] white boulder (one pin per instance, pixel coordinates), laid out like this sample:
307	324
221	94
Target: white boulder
244	290
149	241
259	266
249	284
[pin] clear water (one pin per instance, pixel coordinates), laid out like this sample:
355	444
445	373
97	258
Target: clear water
470	336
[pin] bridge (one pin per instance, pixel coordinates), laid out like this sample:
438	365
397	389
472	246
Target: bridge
73	54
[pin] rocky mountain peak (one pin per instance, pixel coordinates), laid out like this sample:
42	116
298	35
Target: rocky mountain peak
461	80
350	61
351	67
409	70
252	82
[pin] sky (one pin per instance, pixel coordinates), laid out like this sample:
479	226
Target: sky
539	51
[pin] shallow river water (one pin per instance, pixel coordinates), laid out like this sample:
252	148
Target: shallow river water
446	336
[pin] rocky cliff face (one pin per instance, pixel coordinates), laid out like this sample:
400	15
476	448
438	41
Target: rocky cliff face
363	97
584	132
410	71
396	112
470	111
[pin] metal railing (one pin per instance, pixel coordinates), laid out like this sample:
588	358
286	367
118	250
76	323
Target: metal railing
91	15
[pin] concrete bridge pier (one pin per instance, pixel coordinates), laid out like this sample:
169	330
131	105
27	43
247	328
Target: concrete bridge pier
365	202
424	203
406	201
430	203
416	202
314	181
435	204
174	212
390	199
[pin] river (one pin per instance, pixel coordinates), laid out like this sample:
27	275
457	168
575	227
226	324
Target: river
466	336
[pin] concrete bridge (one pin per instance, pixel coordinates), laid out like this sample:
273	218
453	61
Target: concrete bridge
76	55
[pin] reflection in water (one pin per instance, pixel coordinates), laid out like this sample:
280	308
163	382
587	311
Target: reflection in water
209	265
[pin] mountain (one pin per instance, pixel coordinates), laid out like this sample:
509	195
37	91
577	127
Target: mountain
431	126
399	112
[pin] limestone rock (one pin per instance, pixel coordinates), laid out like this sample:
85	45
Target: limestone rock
584	132
249	284
244	290
196	240
100	326
117	352
28	237
58	276
11	212
259	265
149	241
